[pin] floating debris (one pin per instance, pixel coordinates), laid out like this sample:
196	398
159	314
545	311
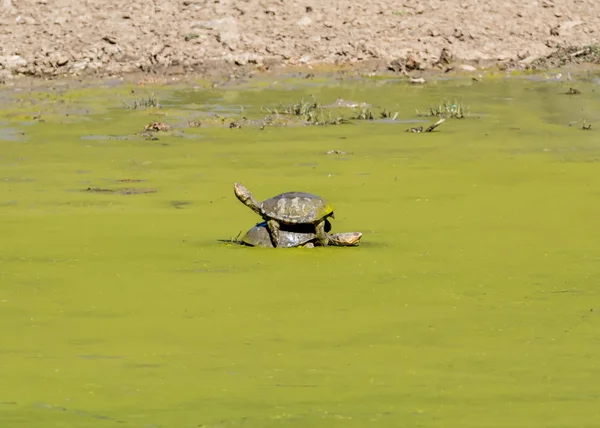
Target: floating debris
429	129
573	91
417	80
157	126
342	103
336	152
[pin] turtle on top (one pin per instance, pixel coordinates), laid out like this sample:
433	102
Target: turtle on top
292	219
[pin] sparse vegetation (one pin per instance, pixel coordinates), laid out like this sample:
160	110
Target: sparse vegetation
447	109
311	112
363	114
565	55
300	108
151	101
586	126
384	114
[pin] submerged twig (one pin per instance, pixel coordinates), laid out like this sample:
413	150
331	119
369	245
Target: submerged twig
435	125
429	129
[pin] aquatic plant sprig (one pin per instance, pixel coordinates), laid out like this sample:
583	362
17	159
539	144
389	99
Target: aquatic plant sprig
309	111
300	108
363	114
151	101
447	109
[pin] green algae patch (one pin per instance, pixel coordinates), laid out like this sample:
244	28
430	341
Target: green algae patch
472	300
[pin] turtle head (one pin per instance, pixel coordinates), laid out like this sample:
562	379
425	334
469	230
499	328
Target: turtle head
241	192
246	198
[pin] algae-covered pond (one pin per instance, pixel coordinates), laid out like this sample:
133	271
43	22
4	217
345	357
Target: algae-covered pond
472	300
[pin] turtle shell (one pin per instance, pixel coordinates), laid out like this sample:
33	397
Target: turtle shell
297	207
297	236
259	236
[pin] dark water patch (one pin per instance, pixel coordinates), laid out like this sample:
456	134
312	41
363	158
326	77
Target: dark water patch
11	134
78	412
106	137
18	180
35	260
179	204
100	357
86	341
78	203
130	180
143	366
98	314
204	270
125	191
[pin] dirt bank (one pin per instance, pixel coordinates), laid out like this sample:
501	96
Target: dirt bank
62	37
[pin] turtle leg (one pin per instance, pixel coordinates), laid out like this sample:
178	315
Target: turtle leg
321	234
273	226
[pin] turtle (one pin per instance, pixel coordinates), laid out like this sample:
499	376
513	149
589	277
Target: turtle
290	208
259	236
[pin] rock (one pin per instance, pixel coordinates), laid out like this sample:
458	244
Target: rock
5	76
529	59
569	25
304	59
305	21
396	66
241	59
62	60
28	20
79	65
467	67
412	63
226	28
445	57
110	39
12	62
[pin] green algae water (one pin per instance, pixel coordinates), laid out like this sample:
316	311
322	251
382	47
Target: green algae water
472	300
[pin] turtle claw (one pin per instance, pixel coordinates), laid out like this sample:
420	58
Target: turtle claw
274	232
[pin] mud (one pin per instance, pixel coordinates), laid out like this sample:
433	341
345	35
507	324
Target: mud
44	38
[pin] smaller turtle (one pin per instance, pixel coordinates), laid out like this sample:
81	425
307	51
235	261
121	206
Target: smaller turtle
259	236
290	208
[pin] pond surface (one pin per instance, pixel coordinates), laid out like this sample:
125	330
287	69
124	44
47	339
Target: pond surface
472	301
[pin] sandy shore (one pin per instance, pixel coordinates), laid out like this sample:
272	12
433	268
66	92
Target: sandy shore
43	38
